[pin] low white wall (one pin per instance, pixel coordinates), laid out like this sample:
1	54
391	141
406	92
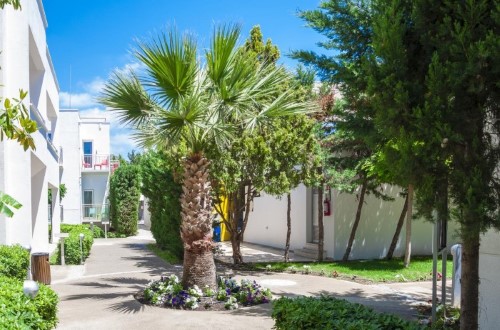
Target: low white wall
267	225
489	284
377	226
267	221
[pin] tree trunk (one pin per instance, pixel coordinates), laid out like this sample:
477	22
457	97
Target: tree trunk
469	299
236	245
356	221
288	226
196	226
398	230
408	226
321	231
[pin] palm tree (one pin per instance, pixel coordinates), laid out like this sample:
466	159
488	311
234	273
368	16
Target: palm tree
178	99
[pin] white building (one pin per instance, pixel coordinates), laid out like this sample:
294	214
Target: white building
87	167
267	225
489	281
27	175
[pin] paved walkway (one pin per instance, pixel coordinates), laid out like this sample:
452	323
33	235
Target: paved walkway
99	295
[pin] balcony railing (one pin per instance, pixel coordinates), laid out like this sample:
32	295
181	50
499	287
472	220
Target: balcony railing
97	162
95	212
43	129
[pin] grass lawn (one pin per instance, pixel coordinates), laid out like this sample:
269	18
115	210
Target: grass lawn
164	254
420	269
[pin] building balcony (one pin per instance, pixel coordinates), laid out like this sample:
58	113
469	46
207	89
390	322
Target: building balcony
98	163
95	213
44	130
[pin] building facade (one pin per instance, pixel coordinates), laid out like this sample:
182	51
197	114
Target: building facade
87	167
27	176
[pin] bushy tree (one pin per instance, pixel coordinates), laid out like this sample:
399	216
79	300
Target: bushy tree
124	193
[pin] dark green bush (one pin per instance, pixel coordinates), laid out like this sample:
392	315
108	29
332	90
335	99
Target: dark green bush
163	194
72	243
14	261
20	312
331	313
124	194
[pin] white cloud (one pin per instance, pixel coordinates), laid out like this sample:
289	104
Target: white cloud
95	86
122	143
77	100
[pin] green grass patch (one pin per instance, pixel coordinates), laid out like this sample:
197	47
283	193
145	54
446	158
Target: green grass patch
420	269
166	255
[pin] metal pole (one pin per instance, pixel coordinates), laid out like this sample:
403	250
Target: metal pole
81	249
444	257
63	261
434	272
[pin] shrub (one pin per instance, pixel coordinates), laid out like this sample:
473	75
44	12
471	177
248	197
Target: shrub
20	312
331	313
165	208
98	232
14	261
124	199
72	243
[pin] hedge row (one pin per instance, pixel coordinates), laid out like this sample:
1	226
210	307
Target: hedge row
72	252
124	194
14	261
163	194
16	310
331	313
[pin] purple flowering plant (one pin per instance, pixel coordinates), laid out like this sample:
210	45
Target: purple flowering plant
168	292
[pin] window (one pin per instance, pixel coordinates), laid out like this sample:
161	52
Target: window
88	201
87	153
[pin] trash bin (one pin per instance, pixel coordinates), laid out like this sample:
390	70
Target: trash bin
216	234
40	267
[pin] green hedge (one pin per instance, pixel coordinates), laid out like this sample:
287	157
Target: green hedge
124	194
331	313
20	312
72	243
14	261
163	194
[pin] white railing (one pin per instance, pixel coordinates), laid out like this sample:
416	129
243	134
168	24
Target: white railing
97	162
95	212
43	129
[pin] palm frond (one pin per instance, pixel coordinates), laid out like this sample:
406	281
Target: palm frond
221	55
171	65
124	94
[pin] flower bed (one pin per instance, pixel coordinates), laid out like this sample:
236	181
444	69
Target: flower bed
168	292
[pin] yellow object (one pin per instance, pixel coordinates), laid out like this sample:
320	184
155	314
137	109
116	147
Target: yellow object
224	233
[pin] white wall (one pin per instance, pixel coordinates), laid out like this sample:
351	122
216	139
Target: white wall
267	221
69	129
26	175
267	225
377	226
489	283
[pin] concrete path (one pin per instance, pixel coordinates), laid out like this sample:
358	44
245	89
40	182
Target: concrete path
99	295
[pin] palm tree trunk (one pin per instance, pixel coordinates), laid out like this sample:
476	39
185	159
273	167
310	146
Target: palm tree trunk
321	231
356	221
469	299
288	226
196	226
408	226
398	230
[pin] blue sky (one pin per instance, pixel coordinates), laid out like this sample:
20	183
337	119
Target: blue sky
94	37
